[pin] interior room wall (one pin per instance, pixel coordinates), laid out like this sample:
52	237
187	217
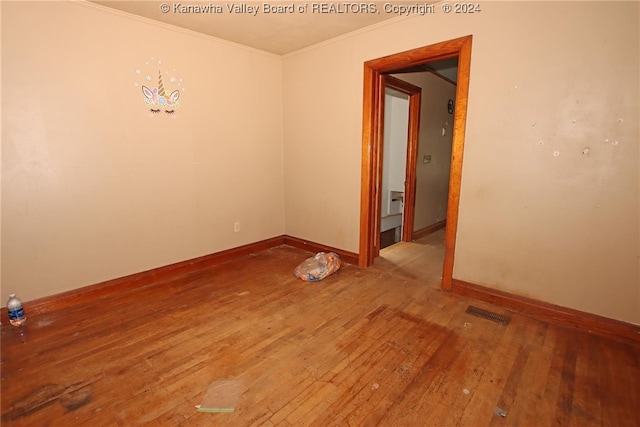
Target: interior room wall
94	186
549	198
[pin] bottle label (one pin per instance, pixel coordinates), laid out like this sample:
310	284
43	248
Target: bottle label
16	314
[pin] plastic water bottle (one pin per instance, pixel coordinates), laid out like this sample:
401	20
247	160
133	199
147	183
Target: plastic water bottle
16	312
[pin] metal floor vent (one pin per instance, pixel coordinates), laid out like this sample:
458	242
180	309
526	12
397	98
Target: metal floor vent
487	315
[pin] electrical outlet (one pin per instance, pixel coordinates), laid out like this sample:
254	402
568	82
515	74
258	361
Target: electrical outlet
236	227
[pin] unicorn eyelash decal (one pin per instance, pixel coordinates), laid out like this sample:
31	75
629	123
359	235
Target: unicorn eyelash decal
158	98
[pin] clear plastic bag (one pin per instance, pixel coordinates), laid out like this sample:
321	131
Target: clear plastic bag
318	267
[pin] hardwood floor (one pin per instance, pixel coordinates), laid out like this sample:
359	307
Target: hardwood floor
420	259
363	347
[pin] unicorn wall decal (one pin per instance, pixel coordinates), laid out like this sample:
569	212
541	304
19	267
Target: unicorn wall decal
157	98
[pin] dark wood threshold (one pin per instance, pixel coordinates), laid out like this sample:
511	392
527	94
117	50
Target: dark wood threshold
429	229
88	293
568	317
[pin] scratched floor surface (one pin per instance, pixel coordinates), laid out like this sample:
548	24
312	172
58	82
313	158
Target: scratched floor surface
363	347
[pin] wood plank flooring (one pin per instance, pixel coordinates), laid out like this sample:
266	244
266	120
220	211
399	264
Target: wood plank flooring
364	347
421	259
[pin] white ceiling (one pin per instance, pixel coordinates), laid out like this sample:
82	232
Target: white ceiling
278	33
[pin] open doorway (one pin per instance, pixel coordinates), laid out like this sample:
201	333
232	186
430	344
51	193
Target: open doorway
374	72
400	127
392	207
418	255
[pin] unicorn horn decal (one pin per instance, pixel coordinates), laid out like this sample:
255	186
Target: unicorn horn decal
160	85
157	97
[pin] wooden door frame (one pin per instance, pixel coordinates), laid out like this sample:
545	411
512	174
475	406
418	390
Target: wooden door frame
409	202
371	144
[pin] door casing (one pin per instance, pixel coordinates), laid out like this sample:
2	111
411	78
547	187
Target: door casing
373	100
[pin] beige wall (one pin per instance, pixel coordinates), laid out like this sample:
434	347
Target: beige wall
92	187
560	229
